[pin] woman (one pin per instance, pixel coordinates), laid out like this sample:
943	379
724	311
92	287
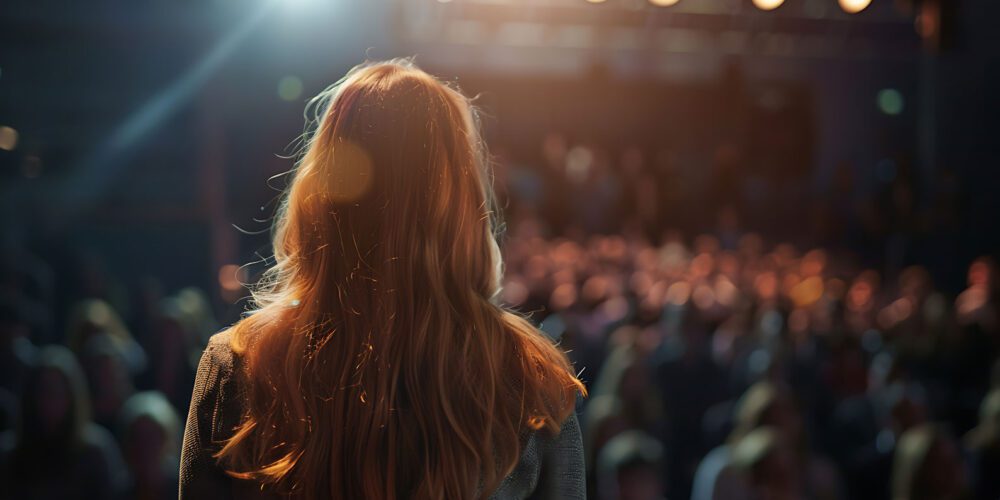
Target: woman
376	363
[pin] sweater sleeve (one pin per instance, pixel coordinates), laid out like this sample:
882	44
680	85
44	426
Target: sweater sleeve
200	475
563	473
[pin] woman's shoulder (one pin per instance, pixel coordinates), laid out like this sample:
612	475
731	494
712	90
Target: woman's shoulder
219	350
215	398
214	412
218	362
550	466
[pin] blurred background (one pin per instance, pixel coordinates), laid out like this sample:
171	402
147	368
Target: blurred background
765	229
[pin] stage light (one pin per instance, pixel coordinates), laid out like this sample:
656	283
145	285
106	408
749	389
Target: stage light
854	6
768	4
232	277
8	138
290	88
664	3
890	101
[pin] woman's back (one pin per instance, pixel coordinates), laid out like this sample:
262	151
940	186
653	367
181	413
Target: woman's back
549	467
376	363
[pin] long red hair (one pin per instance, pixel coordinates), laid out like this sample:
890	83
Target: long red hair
377	363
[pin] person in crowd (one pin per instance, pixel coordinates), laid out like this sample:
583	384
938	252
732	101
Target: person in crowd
629	466
928	466
56	451
150	432
180	334
983	445
108	378
857	420
901	407
764	467
766	404
91	317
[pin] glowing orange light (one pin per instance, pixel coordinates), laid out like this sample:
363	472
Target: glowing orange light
663	3
768	4
231	277
807	292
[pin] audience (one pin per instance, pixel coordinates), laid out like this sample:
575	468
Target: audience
808	362
719	367
57	451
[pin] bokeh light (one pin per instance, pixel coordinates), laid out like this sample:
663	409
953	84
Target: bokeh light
350	174
890	101
231	277
664	3
768	4
854	6
290	88
8	138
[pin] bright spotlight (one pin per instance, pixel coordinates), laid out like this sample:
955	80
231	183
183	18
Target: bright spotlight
768	4
664	3
854	6
299	3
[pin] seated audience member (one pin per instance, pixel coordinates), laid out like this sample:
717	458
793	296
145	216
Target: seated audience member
870	466
177	334
927	466
629	468
857	420
765	404
983	444
765	464
150	429
92	317
57	452
107	378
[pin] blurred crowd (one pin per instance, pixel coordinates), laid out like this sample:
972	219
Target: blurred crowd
91	402
887	213
717	368
721	366
726	368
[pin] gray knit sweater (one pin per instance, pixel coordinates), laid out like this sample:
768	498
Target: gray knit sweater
550	467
